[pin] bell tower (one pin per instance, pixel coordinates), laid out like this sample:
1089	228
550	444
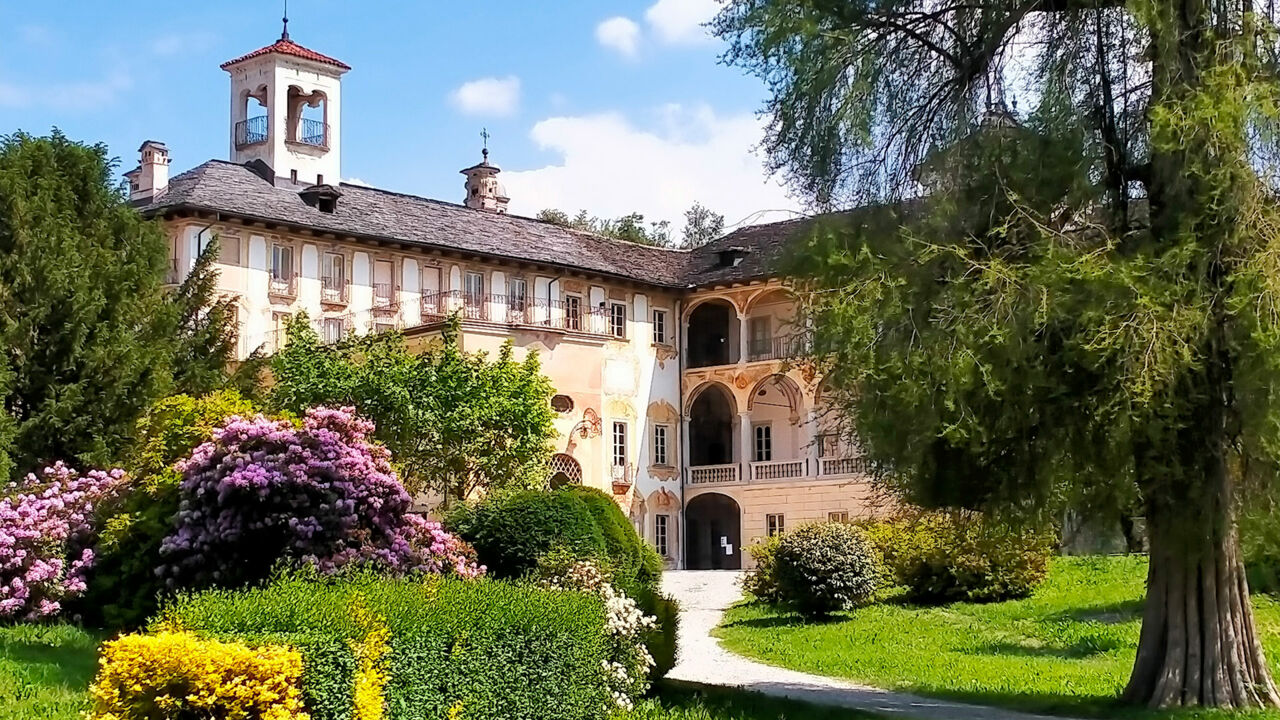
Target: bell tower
286	103
484	192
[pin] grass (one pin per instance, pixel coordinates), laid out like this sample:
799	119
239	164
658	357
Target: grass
45	670
1067	649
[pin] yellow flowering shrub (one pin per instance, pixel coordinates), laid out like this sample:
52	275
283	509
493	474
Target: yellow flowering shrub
371	672
176	674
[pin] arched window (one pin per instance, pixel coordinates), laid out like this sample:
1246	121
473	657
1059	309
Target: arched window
564	471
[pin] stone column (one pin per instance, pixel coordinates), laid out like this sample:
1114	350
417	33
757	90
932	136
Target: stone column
744	446
813	449
743	338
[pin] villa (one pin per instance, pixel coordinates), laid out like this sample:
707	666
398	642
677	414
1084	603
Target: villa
675	385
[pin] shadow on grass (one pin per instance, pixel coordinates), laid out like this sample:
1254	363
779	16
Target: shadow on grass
1107	614
673	700
51	657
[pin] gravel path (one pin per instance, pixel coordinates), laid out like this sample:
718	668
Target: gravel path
704	595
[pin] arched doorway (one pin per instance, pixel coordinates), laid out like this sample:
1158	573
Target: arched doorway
711	427
712	336
565	470
713	533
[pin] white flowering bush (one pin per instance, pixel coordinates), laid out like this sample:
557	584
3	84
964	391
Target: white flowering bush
627	670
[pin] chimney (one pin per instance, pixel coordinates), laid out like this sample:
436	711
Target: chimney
151	177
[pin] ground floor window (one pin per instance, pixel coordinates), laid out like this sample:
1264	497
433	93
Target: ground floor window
775	524
661	525
840	516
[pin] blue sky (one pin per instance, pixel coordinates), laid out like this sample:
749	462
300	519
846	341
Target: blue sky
608	106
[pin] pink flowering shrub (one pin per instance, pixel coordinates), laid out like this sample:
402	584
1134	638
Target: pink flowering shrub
47	525
321	494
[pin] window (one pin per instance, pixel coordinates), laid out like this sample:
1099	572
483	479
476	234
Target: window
775	524
281	263
661	523
619	444
383	283
660	435
840	516
660	327
333	276
333	328
764	442
518	295
279	330
561	403
829	447
618	320
760	338
383	327
573	312
473	288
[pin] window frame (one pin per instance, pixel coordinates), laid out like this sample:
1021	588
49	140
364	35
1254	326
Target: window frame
573	320
278	252
330	322
662	534
757	446
328	266
518	302
838	516
775	524
468	277
618	320
659	326
619	444
661	450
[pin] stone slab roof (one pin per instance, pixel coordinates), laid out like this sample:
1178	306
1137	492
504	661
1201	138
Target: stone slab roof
233	189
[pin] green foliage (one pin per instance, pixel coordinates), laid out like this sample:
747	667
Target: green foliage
123	587
511	532
825	567
455	422
946	557
544	532
205	344
88	332
761	580
482	649
701	227
45	671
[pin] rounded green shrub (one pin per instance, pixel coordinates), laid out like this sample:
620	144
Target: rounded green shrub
633	563
760	581
512	531
826	567
954	556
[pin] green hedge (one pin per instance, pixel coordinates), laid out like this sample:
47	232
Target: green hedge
512	532
483	649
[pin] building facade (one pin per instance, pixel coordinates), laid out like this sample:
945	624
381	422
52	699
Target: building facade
676	383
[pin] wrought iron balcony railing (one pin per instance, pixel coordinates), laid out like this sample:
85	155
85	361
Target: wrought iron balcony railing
384	295
312	132
251	131
515	310
775	348
333	290
284	286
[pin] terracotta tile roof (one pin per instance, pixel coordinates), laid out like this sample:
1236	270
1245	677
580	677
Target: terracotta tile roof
285	46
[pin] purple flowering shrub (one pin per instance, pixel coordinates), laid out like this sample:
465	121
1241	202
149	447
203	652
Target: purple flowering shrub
47	525
322	494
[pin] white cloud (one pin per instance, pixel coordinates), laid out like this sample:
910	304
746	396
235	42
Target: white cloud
488	96
620	34
173	43
356	181
611	167
681	21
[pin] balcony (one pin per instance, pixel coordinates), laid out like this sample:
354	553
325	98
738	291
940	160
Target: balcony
844	466
384	296
517	311
313	133
251	132
714	474
333	291
778	470
283	286
775	348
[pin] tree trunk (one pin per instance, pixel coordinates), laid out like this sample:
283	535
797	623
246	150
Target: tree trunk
1199	644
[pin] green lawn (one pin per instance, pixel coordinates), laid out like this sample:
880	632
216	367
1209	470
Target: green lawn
1067	649
45	670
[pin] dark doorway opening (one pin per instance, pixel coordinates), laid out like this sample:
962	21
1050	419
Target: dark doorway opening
711	427
709	337
713	533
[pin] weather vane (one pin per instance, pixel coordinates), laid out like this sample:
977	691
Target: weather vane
284	34
484	133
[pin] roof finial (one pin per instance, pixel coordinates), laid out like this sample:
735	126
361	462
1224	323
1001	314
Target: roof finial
484	133
284	34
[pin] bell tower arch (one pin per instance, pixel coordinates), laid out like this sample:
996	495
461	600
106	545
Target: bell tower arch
286	103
